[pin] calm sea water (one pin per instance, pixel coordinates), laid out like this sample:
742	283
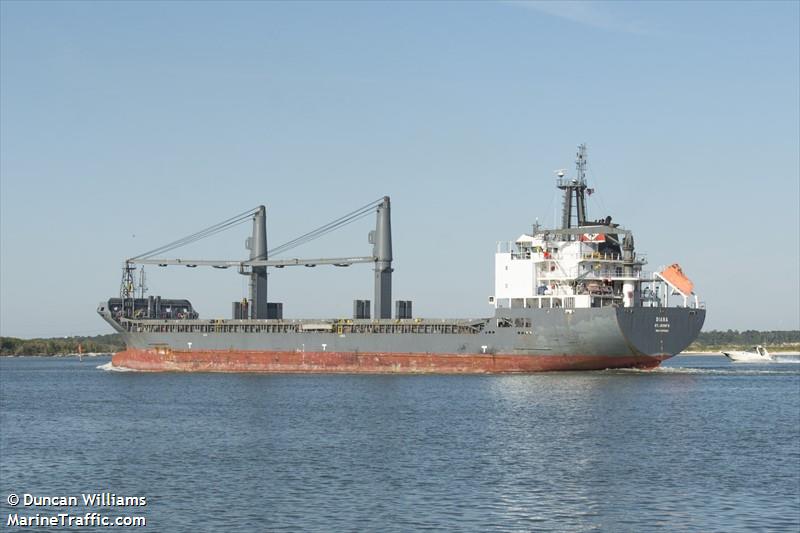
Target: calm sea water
700	444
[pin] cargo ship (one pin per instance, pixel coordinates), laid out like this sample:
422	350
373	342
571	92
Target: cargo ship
575	297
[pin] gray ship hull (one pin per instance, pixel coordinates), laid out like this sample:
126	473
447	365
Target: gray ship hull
514	340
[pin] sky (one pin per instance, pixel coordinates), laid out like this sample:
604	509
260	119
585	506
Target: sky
126	125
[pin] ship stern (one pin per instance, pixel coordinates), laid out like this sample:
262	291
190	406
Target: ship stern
659	332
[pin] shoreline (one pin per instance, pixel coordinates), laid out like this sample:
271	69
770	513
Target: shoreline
719	352
59	355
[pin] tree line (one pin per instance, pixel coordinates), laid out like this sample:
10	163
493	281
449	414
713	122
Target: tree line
114	343
61	345
747	338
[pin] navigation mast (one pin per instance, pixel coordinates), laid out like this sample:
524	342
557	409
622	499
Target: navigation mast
577	187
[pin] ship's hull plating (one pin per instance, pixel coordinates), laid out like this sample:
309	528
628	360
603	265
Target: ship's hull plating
537	340
377	363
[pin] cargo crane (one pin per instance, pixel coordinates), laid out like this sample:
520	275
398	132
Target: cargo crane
256	266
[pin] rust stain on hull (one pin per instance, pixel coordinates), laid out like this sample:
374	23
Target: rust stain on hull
367	363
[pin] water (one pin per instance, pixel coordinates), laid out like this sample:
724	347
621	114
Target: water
699	445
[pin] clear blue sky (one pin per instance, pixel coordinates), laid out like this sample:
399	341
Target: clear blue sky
124	125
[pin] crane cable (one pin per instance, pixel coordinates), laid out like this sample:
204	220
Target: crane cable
202	234
241	218
340	222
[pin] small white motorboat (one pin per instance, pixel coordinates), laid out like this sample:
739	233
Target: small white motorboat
758	354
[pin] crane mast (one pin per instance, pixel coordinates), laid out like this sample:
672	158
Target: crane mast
256	266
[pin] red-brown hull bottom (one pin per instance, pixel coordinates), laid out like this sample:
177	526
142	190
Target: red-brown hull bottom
374	363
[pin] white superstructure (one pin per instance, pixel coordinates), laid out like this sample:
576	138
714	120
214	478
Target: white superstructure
582	264
573	268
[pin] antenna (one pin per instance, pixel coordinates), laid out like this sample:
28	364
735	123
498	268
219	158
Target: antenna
142	282
575	187
580	164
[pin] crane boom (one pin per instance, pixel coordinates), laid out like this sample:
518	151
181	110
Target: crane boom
224	263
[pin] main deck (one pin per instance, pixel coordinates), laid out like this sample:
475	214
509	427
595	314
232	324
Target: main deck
337	326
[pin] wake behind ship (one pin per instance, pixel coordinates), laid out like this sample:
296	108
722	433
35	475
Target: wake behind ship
570	298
